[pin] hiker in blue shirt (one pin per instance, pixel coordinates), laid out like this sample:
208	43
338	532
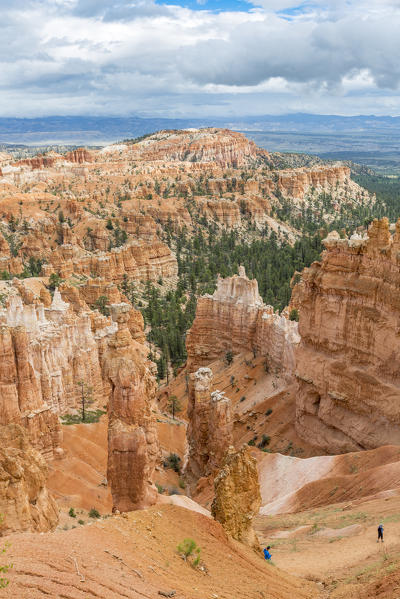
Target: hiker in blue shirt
267	554
380	533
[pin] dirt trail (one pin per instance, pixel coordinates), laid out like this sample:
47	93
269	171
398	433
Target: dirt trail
337	545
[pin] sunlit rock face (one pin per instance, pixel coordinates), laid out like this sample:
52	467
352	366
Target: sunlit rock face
237	495
235	319
348	361
25	503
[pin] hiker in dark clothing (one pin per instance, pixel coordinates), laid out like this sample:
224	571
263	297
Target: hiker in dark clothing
380	533
267	554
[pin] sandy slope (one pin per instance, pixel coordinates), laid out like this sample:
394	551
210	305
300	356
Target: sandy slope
290	484
135	556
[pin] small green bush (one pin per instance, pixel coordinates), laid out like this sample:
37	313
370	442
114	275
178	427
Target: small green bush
229	357
4	568
94	513
189	551
72	512
81	522
173	461
294	315
264	441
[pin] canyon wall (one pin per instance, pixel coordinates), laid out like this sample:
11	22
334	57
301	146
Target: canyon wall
348	361
44	353
25	502
210	426
133	448
235	319
237	495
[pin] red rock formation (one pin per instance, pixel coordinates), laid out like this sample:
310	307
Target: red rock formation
222	146
40	161
348	360
137	260
237	496
297	182
24	500
132	439
235	319
210	428
79	156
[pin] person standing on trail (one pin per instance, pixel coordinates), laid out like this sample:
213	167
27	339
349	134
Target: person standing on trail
267	554
380	533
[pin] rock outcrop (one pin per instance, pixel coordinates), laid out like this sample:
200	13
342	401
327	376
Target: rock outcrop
44	352
222	146
348	364
25	503
210	428
237	495
235	319
133	447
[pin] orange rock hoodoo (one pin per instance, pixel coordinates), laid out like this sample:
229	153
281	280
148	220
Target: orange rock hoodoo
237	495
210	428
133	447
348	365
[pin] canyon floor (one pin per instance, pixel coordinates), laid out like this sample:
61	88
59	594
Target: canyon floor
326	551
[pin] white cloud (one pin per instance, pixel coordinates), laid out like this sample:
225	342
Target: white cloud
134	56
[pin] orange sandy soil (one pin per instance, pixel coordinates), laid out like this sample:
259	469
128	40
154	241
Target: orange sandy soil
336	547
78	479
136	556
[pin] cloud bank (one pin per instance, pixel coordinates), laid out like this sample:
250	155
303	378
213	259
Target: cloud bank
119	57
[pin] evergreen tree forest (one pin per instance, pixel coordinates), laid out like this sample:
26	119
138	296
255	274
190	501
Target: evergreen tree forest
387	190
204	255
209	250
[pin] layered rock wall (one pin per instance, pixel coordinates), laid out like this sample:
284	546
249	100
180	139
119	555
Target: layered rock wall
348	365
235	319
44	353
222	146
25	502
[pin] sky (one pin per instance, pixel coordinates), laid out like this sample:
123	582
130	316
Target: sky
194	58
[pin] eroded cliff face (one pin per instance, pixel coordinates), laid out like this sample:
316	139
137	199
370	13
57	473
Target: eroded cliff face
235	319
25	502
237	496
210	427
348	367
133	448
222	146
44	353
